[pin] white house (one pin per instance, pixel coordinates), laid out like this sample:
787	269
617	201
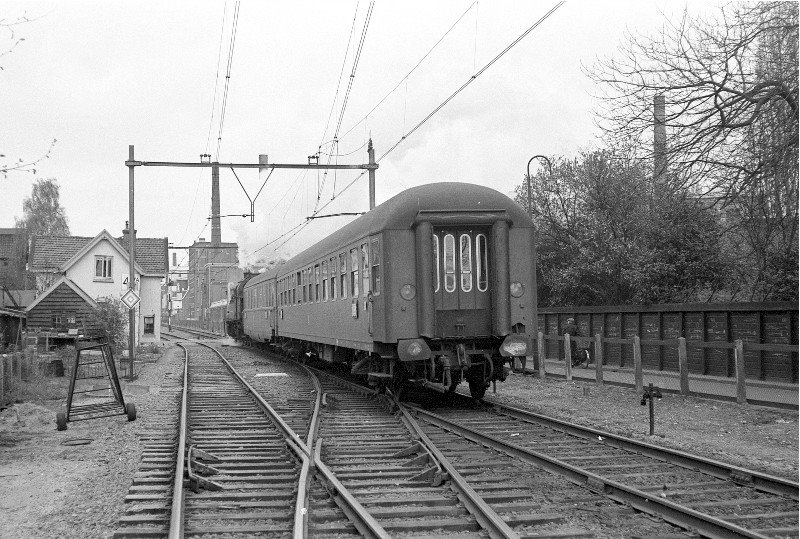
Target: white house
98	268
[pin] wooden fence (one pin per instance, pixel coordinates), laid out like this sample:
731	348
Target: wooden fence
681	346
710	331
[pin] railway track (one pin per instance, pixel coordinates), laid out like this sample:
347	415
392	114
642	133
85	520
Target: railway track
705	496
356	463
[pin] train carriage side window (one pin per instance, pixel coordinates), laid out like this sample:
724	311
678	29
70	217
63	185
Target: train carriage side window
316	283
325	280
365	277
354	273
333	275
449	263
436	261
375	253
482	260
298	278
465	250
343	274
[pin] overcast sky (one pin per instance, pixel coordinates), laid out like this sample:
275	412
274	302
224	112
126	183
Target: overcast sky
98	76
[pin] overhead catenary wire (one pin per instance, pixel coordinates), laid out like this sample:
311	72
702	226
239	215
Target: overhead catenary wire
210	122
346	98
223	109
407	75
429	116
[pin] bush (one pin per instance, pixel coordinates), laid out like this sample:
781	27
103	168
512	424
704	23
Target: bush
111	317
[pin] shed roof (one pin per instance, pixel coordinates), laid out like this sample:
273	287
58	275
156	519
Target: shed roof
65	281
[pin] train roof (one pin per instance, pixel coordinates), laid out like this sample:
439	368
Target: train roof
400	212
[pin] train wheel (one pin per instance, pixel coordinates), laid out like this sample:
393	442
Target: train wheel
477	388
399	381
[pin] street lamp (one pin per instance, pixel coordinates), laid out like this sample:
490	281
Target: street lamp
528	177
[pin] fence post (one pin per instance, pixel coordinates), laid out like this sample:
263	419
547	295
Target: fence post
683	365
568	357
741	384
598	359
637	363
540	349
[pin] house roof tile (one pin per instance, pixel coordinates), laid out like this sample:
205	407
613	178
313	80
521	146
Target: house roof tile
49	253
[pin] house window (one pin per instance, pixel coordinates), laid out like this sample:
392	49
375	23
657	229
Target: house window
149	325
102	267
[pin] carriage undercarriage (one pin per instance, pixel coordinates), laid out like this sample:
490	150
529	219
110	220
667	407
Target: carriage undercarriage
450	362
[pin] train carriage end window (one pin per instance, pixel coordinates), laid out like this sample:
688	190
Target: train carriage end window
465	250
449	263
375	253
436	262
365	277
343	274
354	273
482	262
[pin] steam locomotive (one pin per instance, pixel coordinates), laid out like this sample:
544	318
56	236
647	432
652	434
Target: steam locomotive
435	286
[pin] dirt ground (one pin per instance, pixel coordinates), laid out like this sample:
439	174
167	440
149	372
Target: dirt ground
48	489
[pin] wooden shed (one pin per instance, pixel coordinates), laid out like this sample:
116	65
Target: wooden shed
63	310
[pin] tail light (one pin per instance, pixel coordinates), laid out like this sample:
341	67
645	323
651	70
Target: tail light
413	350
517	289
514	345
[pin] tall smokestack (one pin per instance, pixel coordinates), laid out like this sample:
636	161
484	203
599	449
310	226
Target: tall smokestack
659	136
216	230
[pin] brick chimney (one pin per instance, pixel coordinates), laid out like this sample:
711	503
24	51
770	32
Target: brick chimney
659	136
125	239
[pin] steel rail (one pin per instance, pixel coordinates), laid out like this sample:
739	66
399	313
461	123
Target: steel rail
489	520
758	480
681	516
363	520
176	513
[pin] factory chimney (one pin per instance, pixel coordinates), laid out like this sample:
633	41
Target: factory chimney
659	137
216	230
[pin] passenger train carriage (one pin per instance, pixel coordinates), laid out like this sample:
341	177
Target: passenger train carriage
435	286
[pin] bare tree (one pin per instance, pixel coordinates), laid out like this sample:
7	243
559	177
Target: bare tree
730	83
9	41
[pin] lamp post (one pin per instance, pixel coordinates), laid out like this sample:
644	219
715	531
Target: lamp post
528	177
